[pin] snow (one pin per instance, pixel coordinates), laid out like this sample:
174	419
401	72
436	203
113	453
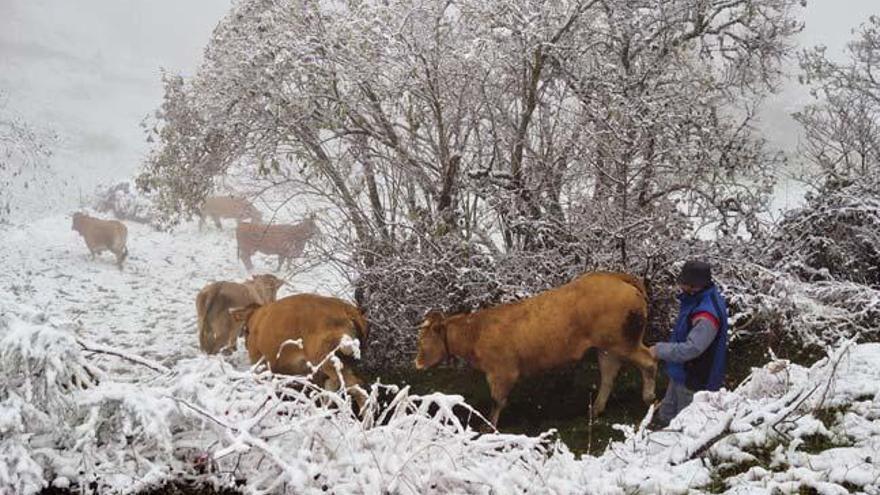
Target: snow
101	380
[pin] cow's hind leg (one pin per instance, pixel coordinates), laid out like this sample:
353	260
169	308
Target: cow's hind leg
647	365
609	366
120	256
231	344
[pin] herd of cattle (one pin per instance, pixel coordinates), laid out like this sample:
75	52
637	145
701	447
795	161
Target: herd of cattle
604	310
285	241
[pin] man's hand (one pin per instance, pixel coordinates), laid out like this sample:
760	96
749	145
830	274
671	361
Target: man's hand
653	351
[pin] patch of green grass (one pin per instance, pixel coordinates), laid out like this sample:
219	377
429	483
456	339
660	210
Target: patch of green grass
557	400
815	443
718	484
828	415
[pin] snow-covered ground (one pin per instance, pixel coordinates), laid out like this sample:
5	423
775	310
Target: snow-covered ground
149	407
148	307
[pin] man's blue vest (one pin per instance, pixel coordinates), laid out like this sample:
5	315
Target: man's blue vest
706	371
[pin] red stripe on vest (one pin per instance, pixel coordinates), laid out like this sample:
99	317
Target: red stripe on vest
709	316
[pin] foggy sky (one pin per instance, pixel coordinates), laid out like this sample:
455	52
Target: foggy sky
89	70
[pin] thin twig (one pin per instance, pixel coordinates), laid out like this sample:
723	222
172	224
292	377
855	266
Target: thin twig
100	349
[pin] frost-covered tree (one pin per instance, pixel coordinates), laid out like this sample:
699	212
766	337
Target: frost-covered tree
842	127
835	235
23	153
574	134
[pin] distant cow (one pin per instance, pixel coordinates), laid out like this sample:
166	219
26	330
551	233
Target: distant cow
287	241
554	328
217	330
321	322
102	235
218	207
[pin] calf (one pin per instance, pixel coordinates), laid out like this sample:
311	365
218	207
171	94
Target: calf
549	330
102	235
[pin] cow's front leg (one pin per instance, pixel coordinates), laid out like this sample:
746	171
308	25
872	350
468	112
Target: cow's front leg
217	222
245	257
500	385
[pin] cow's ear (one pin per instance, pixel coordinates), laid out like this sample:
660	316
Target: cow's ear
242	314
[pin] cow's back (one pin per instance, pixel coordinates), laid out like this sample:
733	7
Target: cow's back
268	239
602	309
110	234
319	321
225	206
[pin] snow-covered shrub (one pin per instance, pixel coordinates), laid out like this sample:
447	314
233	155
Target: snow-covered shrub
814	279
835	236
40	370
125	203
775	309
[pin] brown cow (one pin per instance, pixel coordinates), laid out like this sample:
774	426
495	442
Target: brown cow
217	330
287	241
321	322
551	329
102	235
218	207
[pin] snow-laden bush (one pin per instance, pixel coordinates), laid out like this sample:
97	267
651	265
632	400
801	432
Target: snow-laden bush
813	281
789	315
40	369
835	236
125	202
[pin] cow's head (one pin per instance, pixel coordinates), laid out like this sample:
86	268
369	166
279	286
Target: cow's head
77	221
433	346
310	226
254	214
265	287
241	316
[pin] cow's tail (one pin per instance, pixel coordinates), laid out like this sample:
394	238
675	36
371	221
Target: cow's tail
360	326
204	305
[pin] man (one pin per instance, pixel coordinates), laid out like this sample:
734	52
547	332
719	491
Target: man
696	354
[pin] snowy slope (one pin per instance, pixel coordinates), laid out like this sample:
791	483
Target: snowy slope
160	410
149	307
